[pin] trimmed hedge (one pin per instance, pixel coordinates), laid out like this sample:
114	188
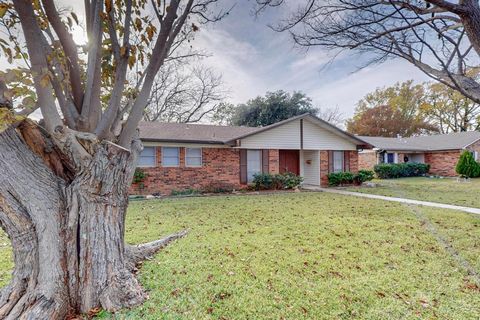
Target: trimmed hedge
341	178
268	181
467	166
399	170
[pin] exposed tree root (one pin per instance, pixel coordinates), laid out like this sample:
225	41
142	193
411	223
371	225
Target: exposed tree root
134	255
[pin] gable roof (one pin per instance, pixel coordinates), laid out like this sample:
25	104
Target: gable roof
328	126
204	133
437	142
190	133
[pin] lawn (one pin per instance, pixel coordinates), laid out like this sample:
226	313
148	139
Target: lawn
447	190
304	256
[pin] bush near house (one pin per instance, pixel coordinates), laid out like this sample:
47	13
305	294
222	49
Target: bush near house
467	166
268	181
399	170
346	178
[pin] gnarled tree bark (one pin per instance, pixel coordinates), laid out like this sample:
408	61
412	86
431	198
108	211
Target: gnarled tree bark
66	222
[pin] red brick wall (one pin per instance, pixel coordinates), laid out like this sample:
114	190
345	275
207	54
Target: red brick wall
273	161
324	165
442	163
221	168
367	160
353	161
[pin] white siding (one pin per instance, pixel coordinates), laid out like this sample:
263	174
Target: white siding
317	138
311	171
285	136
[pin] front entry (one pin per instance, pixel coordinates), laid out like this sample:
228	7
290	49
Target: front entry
289	161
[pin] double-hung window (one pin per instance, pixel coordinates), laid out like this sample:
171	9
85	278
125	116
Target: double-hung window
147	157
338	158
193	157
170	156
254	163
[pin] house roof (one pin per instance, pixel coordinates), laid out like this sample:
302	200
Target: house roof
190	133
438	142
204	133
330	127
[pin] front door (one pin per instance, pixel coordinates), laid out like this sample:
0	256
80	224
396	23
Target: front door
289	161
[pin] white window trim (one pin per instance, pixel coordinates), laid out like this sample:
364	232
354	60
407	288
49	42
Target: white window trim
163	155
250	179
201	158
154	159
343	160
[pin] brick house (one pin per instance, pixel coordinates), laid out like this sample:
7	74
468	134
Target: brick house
206	157
440	151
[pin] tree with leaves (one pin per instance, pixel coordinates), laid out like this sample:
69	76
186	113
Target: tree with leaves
440	37
392	111
274	107
64	182
449	110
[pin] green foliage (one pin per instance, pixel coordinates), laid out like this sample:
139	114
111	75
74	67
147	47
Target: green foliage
139	175
274	107
399	170
343	178
268	181
364	176
392	111
467	166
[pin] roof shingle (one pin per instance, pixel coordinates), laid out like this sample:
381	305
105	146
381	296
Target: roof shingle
437	142
187	132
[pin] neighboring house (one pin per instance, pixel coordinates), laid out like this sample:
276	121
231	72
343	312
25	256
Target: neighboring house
440	151
193	156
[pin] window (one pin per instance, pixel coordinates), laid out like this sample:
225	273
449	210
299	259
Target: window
338	161
390	157
475	155
147	157
254	163
193	157
170	156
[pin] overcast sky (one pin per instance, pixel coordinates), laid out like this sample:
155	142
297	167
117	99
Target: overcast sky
254	59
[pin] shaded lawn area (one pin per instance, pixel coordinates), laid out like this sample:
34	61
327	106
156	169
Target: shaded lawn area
447	190
299	256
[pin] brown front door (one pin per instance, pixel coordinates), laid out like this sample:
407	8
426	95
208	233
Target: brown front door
289	161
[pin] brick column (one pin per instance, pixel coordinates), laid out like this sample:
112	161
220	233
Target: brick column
273	161
353	161
324	168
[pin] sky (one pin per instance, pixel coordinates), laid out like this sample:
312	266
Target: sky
253	59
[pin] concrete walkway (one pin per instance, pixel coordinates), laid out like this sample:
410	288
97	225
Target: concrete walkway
393	199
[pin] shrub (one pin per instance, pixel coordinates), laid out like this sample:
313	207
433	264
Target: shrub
467	166
342	178
268	181
139	177
399	170
363	176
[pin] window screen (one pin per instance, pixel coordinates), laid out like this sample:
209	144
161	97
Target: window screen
338	161
170	156
254	163
147	157
193	157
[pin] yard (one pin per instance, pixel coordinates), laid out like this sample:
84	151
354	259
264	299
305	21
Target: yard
303	255
447	190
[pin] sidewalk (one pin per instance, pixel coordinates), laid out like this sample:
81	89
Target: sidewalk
393	199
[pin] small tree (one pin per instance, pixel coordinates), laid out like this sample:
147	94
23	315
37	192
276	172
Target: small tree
467	166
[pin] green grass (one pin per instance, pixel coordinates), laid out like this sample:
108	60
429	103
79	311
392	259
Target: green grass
447	190
303	256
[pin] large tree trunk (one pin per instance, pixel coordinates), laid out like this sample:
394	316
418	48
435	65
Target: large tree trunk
66	221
